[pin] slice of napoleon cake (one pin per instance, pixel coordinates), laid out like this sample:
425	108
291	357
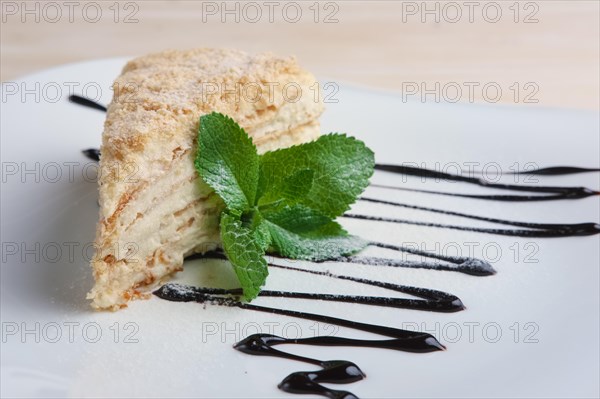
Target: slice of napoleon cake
154	208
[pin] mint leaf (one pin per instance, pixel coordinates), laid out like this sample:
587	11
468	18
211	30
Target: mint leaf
283	201
297	218
299	232
227	161
341	168
245	248
290	190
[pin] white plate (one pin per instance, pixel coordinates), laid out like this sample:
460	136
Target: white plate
543	302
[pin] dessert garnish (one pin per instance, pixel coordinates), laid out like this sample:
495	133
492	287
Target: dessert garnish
284	201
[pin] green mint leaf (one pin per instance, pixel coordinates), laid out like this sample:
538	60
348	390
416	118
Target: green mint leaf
299	232
245	248
290	190
297	218
283	201
341	169
227	161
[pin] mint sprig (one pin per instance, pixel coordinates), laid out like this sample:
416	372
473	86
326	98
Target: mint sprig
284	201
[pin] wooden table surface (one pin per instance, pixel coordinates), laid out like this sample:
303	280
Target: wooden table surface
534	53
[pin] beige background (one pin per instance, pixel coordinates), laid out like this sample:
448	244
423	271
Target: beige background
375	43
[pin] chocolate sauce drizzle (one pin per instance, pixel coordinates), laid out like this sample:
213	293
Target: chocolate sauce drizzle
493	197
342	371
92	153
533	229
553	171
432	300
459	264
332	371
86	102
556	193
531	225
